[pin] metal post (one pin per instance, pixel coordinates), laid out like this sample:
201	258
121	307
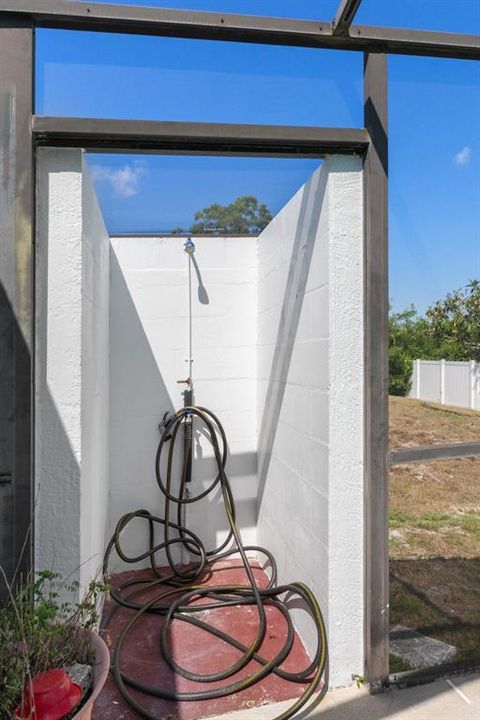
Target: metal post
442	382
344	16
471	376
376	363
16	297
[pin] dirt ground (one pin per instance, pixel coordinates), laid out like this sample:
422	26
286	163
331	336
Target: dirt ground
435	527
434	506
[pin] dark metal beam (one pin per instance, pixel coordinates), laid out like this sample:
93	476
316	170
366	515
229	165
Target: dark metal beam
414	678
415	42
344	16
376	371
240	28
16	295
201	138
423	453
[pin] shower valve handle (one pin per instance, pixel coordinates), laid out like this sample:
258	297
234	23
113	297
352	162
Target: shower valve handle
188	382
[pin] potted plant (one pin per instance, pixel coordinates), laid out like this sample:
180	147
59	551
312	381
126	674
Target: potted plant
53	664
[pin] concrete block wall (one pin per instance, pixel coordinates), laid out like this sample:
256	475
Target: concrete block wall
278	355
71	397
310	411
148	349
95	380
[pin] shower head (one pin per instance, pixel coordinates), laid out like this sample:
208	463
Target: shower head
189	246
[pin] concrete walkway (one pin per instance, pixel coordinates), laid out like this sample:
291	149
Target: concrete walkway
456	698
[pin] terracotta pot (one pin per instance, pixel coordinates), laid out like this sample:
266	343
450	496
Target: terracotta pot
101	668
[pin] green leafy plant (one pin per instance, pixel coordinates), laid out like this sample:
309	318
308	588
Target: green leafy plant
408	340
449	330
359	680
39	631
454	323
400	372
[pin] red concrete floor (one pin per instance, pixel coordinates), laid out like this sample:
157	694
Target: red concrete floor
198	652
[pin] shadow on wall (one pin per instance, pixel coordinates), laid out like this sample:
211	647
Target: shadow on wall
202	293
56	513
207	518
299	266
57	477
139	398
9	549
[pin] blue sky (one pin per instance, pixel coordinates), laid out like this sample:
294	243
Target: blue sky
434	107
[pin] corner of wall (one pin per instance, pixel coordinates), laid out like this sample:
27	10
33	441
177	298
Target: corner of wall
310	369
346	419
95	380
72	271
57	362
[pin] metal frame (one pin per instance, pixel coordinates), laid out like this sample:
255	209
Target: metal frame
207	138
425	453
241	28
20	131
376	370
344	16
16	295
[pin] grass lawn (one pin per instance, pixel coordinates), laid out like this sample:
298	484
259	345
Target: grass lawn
435	528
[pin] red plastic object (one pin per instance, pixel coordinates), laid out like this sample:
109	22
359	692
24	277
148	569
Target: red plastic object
49	696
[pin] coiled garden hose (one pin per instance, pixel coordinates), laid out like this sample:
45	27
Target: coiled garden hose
178	602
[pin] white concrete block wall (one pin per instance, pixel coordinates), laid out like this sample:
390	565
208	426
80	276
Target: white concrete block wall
310	411
278	355
71	435
95	381
148	348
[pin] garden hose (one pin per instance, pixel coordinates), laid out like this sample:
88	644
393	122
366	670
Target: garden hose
177	603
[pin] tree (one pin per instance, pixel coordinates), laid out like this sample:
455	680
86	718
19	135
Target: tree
454	323
245	215
450	330
408	340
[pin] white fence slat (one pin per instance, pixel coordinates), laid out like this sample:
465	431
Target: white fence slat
454	383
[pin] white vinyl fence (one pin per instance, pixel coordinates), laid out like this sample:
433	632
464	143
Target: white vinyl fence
449	383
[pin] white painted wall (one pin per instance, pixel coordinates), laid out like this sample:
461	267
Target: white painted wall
71	435
95	381
278	356
148	348
310	405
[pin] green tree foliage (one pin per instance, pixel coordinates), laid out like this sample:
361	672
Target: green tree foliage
245	215
454	323
408	340
450	330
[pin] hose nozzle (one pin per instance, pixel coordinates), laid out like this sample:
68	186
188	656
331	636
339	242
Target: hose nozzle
189	246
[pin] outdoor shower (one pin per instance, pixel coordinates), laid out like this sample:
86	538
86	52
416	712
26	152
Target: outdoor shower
179	593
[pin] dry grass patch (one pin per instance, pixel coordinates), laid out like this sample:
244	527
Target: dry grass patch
435	527
439	598
434	507
416	422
